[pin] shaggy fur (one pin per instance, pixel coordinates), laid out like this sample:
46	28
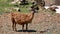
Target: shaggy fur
21	18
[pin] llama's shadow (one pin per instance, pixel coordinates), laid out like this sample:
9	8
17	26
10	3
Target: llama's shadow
26	30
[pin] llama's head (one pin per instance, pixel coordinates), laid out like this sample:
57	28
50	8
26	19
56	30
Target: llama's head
35	9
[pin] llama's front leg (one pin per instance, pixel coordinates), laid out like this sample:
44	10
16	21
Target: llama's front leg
15	27
23	27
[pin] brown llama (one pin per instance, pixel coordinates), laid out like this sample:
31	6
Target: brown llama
21	18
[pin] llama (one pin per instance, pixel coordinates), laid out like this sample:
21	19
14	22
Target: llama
22	19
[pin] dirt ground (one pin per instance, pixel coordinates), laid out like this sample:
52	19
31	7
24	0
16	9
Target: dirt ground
43	23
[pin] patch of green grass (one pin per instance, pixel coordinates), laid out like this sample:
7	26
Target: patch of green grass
24	9
6	4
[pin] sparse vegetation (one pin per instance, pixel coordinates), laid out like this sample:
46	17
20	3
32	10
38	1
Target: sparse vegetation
6	4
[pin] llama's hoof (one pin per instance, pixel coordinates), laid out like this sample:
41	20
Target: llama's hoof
16	30
22	30
26	30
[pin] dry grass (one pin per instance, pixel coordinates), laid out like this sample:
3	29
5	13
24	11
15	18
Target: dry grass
43	23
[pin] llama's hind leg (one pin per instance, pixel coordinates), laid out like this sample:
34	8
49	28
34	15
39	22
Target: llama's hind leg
23	27
26	26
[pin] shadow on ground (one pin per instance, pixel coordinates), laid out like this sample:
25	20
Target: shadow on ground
26	31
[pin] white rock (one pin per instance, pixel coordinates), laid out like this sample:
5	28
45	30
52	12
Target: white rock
57	10
46	7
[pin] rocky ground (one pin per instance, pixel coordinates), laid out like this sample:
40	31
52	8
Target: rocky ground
43	23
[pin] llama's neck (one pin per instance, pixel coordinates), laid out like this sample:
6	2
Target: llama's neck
31	15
